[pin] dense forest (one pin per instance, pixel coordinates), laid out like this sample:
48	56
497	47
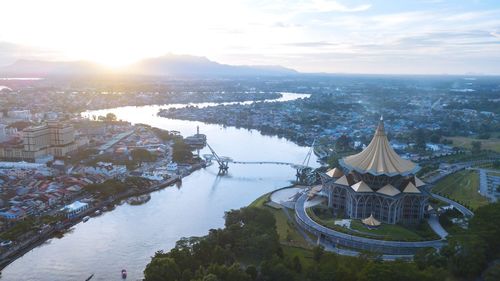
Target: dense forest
248	249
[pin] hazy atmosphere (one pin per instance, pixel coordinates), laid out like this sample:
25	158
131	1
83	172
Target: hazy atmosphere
362	36
249	140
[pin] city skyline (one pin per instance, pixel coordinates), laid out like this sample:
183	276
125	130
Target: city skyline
379	37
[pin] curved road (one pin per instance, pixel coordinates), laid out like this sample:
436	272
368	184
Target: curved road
466	212
351	241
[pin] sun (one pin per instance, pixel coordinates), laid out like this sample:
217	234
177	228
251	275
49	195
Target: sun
117	60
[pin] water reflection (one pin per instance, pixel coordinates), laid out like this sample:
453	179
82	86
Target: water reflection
129	235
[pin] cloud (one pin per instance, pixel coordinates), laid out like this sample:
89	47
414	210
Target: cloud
297	7
334	6
315	44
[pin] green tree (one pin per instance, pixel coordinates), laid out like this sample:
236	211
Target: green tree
476	146
252	272
142	155
419	138
210	277
333	161
485	225
434	138
429	257
110	117
162	268
318	252
493	273
181	151
297	265
468	257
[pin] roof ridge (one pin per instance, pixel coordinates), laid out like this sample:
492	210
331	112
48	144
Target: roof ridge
379	157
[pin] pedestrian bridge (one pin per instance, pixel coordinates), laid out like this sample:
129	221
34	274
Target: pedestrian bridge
224	161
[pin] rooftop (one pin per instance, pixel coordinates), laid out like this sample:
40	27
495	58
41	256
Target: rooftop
378	158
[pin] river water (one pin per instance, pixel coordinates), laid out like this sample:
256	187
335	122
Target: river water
128	236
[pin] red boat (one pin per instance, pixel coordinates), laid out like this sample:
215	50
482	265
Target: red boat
124	274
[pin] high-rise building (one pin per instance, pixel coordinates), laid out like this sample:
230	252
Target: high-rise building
54	138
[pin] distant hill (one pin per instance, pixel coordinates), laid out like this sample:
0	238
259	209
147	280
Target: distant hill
37	68
183	65
168	65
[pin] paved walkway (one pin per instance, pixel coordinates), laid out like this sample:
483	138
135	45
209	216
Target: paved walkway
436	226
466	212
330	247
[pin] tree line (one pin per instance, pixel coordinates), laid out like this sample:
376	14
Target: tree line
248	249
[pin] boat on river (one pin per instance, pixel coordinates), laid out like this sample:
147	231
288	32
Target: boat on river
138	200
124	274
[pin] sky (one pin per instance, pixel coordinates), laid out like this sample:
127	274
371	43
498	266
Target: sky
341	36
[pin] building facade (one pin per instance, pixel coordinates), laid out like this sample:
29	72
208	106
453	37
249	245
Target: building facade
376	183
51	139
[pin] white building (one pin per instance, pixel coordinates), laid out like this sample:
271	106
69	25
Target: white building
74	209
19	114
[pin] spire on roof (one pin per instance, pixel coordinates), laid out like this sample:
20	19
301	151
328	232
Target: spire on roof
380	128
379	157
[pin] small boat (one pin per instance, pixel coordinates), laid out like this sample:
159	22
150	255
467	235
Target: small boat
98	212
85	219
138	200
90	277
6	243
124	274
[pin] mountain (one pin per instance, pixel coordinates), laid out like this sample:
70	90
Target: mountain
168	65
38	68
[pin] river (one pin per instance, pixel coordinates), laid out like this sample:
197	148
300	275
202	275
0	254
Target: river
128	236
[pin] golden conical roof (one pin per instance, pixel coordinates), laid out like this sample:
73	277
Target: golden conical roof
419	182
378	158
389	190
342	180
361	187
371	221
334	173
411	188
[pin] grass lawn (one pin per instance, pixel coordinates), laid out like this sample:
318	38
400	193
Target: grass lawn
305	255
287	231
384	232
463	187
398	232
491	144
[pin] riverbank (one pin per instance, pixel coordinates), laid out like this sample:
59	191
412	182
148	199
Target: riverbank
108	243
61	227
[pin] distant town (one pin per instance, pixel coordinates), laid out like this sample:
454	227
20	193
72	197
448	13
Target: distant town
61	166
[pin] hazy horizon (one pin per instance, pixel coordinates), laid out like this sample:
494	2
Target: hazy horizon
311	36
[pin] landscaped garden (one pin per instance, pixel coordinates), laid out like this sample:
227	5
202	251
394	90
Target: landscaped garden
462	187
392	232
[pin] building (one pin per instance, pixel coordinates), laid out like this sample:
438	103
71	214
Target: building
51	139
19	114
74	209
378	184
6	133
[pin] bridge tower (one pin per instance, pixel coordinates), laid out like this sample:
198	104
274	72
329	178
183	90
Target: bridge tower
222	161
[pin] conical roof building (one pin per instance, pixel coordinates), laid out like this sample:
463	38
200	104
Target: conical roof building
377	183
378	158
